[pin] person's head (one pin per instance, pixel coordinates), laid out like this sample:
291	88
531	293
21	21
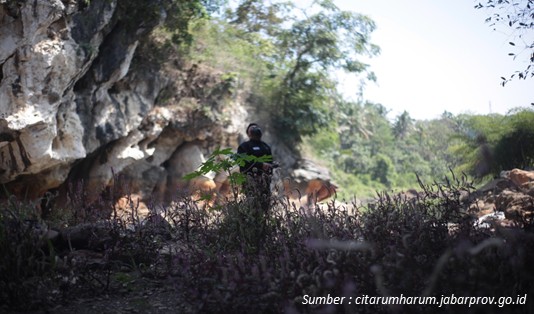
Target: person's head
254	131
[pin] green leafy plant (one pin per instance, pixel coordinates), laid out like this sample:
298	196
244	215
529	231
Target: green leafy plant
243	220
225	160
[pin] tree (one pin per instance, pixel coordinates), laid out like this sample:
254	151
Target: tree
353	121
475	137
518	15
515	149
383	171
309	48
177	14
256	16
490	144
403	125
296	56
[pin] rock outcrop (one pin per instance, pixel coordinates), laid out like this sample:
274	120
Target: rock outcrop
84	98
508	200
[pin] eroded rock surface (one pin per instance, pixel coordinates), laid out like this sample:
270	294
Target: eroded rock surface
80	100
83	100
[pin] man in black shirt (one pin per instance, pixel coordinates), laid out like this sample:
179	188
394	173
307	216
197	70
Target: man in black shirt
257	185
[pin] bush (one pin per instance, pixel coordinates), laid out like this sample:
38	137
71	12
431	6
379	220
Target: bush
426	246
228	259
515	149
27	258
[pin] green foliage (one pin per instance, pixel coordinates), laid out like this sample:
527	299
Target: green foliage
489	144
403	125
229	50
304	109
515	148
255	16
286	57
355	186
224	160
309	50
244	220
180	14
382	170
174	16
371	153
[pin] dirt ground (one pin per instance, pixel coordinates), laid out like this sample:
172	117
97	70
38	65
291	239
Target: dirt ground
140	295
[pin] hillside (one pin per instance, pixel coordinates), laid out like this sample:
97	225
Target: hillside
91	91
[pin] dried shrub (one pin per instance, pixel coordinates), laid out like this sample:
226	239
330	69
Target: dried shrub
230	258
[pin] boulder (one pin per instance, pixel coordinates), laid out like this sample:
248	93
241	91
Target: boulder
507	201
309	183
515	205
131	208
319	190
519	177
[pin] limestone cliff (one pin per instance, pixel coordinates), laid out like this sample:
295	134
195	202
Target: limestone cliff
84	96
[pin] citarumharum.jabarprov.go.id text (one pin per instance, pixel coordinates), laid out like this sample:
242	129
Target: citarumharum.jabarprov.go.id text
398	300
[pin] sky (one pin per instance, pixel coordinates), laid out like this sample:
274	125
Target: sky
439	55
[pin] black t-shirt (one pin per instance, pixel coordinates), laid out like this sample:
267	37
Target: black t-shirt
255	148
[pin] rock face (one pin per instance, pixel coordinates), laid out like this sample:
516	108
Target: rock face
82	99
